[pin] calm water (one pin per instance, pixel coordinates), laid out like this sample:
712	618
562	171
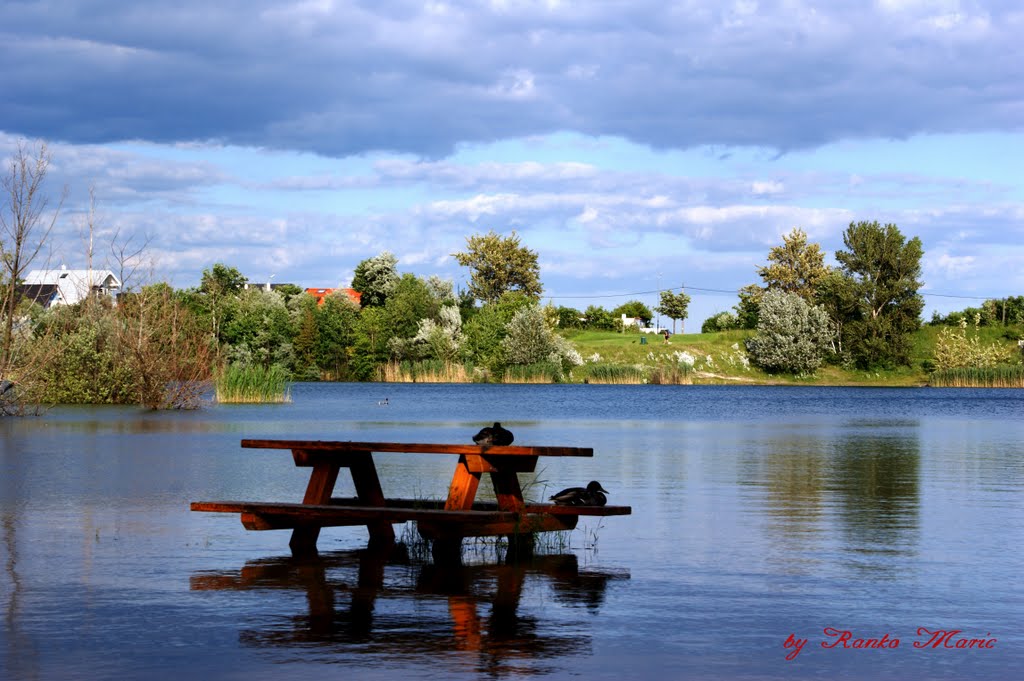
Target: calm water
758	513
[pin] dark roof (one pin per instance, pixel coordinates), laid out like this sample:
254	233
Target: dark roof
42	294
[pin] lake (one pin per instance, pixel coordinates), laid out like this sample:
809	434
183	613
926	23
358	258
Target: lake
767	521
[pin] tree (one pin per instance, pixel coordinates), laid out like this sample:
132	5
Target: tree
884	268
218	287
598	318
165	347
836	295
24	230
674	306
500	264
796	266
748	308
336	321
792	335
530	340
375	278
635	310
259	331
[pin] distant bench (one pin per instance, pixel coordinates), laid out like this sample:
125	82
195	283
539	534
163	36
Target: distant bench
445	522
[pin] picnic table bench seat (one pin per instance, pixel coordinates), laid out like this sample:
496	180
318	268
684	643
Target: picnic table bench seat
450	520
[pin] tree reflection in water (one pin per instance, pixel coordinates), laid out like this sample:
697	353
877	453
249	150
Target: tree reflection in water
379	602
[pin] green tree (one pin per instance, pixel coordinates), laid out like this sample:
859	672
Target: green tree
634	309
796	266
259	331
600	319
884	268
500	264
486	329
723	321
307	336
748	309
218	290
837	295
375	278
372	334
792	335
530	340
569	318
674	306
337	319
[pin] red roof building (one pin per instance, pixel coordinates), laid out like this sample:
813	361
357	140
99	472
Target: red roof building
321	293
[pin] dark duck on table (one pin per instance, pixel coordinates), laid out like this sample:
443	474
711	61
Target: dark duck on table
494	435
591	495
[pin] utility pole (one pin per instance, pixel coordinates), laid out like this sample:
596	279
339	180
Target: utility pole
658	323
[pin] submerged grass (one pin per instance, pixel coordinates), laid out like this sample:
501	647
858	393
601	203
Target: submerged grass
253	385
1005	376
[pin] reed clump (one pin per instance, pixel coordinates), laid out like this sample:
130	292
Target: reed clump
253	385
539	372
426	371
1003	376
671	374
615	374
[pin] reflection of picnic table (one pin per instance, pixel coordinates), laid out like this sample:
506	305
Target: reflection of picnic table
447	522
353	599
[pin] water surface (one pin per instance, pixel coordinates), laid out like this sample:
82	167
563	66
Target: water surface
758	512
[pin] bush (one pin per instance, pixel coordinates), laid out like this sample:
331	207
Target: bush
723	321
792	336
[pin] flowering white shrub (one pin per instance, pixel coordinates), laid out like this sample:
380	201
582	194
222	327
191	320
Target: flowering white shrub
684	357
792	336
595	358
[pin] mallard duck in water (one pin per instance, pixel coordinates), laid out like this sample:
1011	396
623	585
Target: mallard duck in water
494	435
591	495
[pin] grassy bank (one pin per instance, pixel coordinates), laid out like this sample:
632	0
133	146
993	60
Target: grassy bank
719	358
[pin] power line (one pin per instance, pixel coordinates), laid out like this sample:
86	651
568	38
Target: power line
736	292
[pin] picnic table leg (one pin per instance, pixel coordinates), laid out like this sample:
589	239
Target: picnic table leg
321	485
461	495
510	498
369	492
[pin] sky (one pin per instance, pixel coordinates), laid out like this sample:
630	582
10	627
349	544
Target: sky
635	145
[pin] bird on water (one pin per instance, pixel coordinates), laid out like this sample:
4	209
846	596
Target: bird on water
591	495
494	435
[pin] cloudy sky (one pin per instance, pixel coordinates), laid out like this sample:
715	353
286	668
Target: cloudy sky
635	145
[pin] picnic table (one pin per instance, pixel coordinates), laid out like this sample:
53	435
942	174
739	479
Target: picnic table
445	523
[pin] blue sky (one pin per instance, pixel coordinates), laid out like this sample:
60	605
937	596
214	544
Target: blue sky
635	145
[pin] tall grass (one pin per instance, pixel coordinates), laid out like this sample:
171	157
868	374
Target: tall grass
426	371
671	374
540	372
1004	376
253	385
614	374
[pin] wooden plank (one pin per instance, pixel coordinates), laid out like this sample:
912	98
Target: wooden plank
369	492
413	448
324	514
318	491
416	505
462	491
507	491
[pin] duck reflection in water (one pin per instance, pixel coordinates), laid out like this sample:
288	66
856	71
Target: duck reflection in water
426	610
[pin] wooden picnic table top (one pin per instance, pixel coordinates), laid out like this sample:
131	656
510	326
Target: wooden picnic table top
417	448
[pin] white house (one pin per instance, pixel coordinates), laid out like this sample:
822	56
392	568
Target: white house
68	287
